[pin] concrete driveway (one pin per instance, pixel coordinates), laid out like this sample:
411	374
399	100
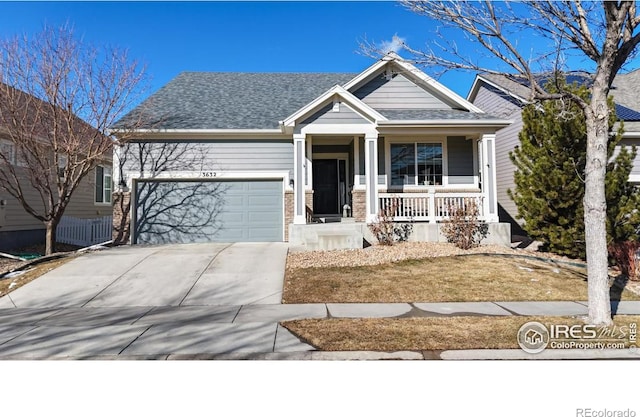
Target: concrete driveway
155	301
210	274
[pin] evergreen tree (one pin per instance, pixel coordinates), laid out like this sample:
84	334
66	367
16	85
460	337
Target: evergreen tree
550	163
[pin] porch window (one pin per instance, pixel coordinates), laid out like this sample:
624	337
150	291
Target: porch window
416	164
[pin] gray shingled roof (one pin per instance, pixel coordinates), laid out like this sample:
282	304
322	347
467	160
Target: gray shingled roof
625	91
509	84
223	100
428	114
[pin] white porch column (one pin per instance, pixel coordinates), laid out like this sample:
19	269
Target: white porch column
309	164
371	175
299	166
356	161
490	202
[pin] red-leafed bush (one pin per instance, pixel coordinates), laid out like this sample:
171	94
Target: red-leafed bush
626	257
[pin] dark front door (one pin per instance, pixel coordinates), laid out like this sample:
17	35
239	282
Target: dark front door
325	186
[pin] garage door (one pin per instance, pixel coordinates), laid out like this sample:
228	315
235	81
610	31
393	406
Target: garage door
213	211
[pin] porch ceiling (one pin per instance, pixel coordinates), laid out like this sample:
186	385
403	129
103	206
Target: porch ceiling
332	140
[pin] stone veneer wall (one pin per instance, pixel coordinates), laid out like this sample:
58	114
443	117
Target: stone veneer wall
289	209
359	209
121	218
288	213
308	200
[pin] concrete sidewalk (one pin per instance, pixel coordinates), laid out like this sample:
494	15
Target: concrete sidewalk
242	331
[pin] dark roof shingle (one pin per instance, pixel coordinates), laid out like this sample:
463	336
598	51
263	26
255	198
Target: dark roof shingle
625	90
434	114
224	100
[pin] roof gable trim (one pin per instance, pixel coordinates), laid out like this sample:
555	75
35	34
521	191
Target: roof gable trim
476	87
350	100
414	73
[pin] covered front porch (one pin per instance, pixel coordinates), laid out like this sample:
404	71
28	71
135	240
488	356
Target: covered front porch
391	141
417	178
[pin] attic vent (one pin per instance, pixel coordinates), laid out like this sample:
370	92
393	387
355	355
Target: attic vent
336	106
388	74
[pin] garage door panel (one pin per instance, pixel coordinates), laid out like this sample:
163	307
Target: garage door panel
257	218
229	211
260	200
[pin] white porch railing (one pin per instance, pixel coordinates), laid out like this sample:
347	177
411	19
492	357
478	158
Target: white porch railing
84	232
430	207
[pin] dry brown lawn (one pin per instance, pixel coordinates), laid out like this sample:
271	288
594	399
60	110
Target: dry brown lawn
477	277
10	284
430	333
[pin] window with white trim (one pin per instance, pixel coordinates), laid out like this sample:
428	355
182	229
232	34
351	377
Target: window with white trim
8	151
416	164
62	165
103	185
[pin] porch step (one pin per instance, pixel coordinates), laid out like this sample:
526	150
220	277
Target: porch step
327	219
330	236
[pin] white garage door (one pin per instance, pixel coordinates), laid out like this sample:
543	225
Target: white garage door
208	211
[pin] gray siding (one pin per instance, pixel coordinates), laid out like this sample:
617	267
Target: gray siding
628	143
460	160
495	102
82	205
224	155
327	116
397	93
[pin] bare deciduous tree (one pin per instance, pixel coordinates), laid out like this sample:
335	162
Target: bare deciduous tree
58	96
168	211
602	35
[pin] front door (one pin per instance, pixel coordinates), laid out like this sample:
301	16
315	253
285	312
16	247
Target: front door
326	186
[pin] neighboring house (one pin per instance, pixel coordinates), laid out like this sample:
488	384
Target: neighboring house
91	200
289	150
506	97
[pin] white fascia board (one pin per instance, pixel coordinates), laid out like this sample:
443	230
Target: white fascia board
209	176
473	92
630	135
346	129
446	123
476	86
364	75
634	178
206	133
351	100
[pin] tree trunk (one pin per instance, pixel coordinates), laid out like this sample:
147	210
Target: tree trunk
50	240
595	210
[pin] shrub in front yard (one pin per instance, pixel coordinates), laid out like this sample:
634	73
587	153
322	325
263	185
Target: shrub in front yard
463	228
387	231
625	255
